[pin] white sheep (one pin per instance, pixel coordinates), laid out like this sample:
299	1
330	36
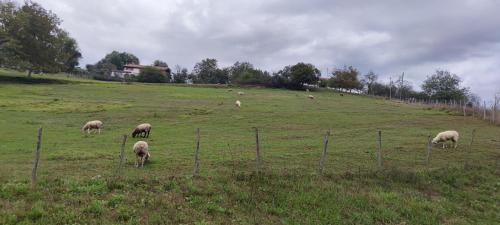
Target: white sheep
241	93
144	128
93	125
450	135
141	150
310	97
238	103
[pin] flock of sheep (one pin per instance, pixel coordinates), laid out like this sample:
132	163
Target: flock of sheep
141	148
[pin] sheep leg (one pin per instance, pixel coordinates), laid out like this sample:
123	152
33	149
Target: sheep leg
137	161
142	161
148	134
443	145
99	129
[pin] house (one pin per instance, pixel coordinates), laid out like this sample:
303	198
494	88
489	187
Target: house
134	70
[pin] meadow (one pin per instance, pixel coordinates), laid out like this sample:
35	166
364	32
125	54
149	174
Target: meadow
78	182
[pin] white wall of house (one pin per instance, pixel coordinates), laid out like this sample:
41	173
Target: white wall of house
134	71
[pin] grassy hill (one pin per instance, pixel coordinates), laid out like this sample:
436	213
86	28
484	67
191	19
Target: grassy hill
77	181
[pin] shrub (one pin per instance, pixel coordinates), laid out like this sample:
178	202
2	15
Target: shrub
151	74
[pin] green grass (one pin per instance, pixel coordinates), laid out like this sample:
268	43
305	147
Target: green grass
76	173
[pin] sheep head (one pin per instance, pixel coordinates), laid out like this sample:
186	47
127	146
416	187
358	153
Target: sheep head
435	140
135	132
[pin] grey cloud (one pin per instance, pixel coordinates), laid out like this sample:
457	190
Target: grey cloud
389	37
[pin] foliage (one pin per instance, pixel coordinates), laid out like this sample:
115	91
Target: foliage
346	78
150	74
32	40
160	63
245	73
180	75
369	79
296	76
208	72
112	61
443	85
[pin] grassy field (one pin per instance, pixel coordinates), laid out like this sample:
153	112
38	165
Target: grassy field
77	183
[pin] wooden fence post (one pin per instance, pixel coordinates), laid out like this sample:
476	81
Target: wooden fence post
196	169
465	107
257	150
122	156
36	157
484	111
379	155
467	157
429	150
323	155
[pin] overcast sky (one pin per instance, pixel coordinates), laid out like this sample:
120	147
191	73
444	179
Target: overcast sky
388	37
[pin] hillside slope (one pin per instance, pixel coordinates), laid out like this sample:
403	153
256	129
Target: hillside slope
77	170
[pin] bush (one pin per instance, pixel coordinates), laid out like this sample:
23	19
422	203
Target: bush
151	74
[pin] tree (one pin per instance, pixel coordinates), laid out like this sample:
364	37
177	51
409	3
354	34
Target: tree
346	78
180	75
245	73
150	74
32	40
120	59
160	63
370	79
103	68
208	72
69	52
296	76
443	85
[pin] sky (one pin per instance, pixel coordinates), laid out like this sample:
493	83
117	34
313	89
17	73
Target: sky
388	37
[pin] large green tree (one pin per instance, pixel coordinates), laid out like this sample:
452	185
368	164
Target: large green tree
345	78
296	76
207	71
31	39
443	85
245	73
112	61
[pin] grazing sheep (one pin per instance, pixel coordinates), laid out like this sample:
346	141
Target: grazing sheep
92	125
241	93
141	150
310	97
442	137
144	128
307	90
238	103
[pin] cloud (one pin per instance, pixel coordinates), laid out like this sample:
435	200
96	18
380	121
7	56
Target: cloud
388	37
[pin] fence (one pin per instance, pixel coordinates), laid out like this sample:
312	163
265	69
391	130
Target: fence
482	111
386	152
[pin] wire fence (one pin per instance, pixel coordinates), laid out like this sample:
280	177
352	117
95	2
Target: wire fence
332	153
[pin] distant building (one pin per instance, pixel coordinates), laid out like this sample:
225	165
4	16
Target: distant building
134	70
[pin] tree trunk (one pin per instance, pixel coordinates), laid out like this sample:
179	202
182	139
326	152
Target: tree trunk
29	72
